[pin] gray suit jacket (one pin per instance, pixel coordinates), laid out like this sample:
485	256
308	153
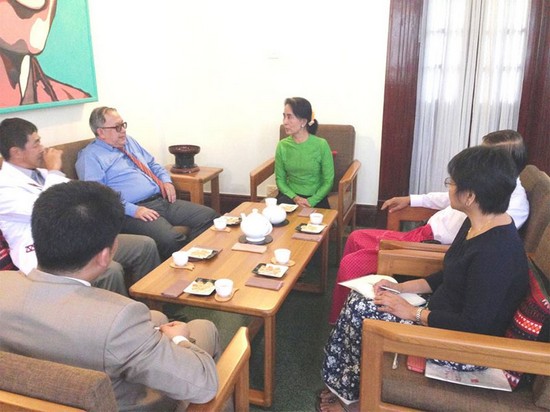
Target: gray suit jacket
60	319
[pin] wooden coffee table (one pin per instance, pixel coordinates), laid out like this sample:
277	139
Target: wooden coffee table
262	304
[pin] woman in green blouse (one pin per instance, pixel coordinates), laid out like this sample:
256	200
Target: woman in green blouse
304	167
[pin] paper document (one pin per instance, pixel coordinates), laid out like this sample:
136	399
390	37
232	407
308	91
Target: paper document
364	285
489	378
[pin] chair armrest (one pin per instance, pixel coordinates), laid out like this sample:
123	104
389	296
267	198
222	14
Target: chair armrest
350	175
386	244
233	373
348	182
408	214
491	351
10	401
35	383
409	262
259	175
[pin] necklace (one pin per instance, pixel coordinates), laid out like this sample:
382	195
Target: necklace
474	233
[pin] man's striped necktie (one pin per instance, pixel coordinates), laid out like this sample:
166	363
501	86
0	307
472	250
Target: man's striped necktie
145	170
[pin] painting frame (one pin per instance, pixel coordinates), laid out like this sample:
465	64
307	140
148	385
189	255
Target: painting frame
65	66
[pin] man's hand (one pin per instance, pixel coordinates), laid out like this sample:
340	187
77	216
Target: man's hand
170	192
52	158
396	203
175	328
146	214
301	201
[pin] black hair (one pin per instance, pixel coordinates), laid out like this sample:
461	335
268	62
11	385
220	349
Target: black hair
511	141
14	132
488	172
302	110
72	222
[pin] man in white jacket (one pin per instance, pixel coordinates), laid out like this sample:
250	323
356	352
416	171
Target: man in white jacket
22	180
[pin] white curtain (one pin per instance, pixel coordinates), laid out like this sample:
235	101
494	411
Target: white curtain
469	84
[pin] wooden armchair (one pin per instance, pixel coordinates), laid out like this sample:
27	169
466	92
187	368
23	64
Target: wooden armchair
395	257
342	198
385	389
233	373
398	219
28	384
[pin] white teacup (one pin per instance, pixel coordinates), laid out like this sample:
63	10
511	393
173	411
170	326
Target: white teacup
220	223
316	218
180	258
282	256
224	287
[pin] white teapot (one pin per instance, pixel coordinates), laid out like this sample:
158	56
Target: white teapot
276	214
255	226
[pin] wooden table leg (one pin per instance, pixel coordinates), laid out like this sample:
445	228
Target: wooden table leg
324	264
265	398
215	194
196	193
320	287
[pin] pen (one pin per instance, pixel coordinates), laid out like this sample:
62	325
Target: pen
390	290
395	362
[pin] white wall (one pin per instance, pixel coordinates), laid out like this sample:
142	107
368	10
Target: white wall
215	73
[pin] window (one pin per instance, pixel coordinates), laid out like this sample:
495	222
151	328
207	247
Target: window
470	77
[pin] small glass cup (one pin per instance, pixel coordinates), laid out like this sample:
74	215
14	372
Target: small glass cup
180	258
316	218
282	256
224	287
220	223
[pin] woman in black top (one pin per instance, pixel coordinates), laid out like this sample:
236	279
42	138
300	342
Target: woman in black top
484	276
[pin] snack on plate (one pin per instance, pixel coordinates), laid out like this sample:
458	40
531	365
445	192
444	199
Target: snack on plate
310	227
198	253
202	285
269	270
232	220
287	207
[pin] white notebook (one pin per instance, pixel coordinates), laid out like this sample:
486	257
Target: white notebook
364	285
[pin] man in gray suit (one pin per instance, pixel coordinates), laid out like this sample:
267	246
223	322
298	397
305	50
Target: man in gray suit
54	313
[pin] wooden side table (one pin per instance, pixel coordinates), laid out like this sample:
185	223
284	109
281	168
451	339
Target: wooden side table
194	184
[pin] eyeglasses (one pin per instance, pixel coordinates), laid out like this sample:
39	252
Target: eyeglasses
449	182
118	127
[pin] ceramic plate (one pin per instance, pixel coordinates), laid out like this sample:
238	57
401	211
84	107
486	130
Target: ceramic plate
201	286
232	220
289	208
199	253
267	269
311	228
